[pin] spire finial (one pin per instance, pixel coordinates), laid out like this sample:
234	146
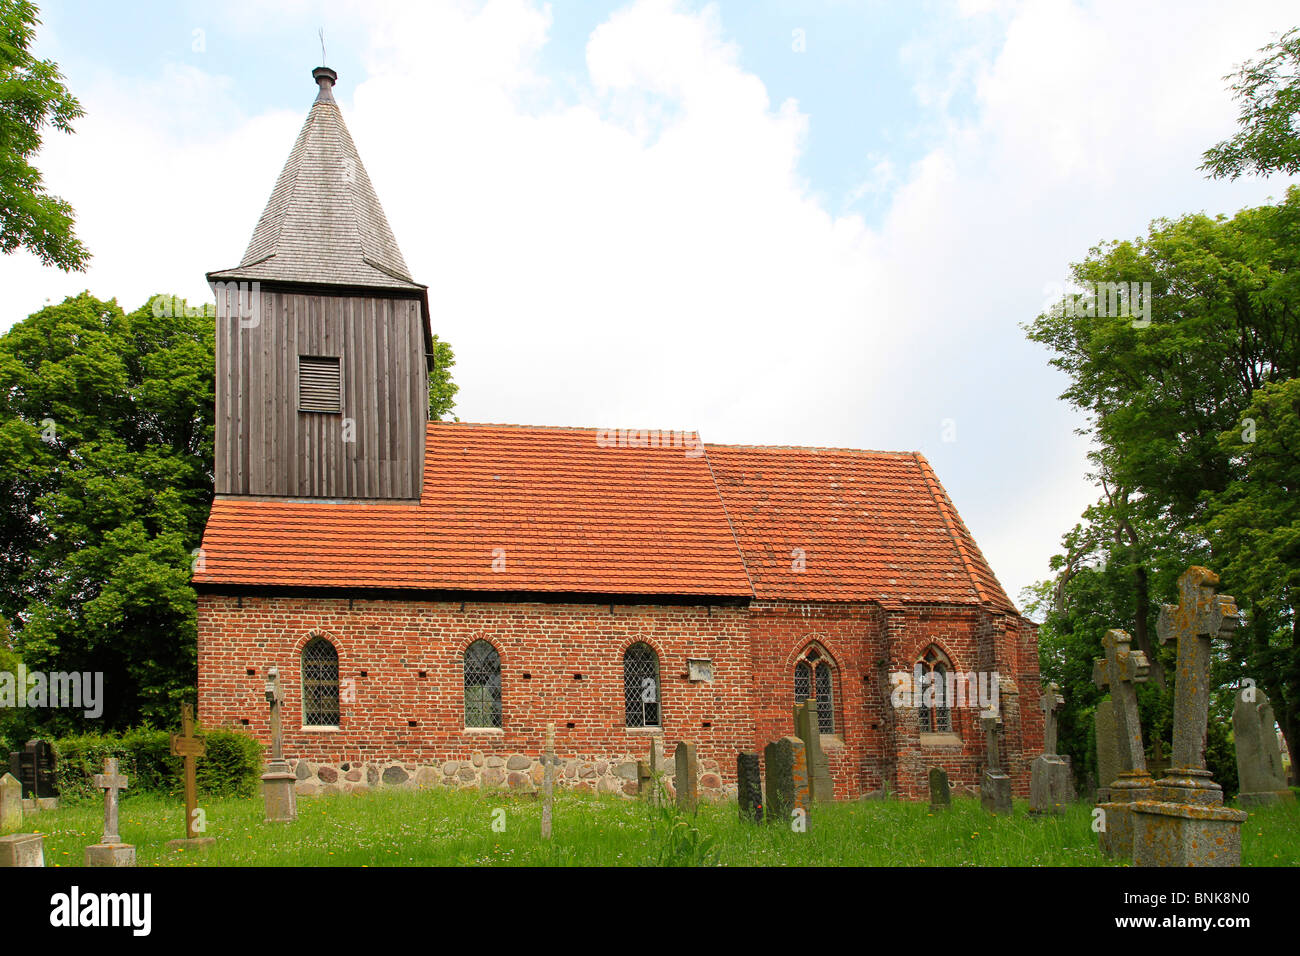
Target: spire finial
325	78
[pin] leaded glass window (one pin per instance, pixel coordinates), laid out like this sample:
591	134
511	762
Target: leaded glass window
935	718
641	686
320	684
813	677
482	685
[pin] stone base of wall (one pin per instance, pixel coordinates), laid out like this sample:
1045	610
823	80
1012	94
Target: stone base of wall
518	773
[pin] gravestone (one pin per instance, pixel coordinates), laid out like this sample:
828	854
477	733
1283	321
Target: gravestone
11	804
786	770
548	781
1259	757
657	770
188	747
686	779
1121	670
644	780
940	789
22	849
1185	822
749	787
1049	776
809	731
35	766
995	786
1107	748
278	793
110	850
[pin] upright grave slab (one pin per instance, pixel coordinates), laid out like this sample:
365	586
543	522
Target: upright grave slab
940	789
1050	789
809	731
110	851
22	849
548	780
35	767
749	787
786	770
11	804
1185	822
1259	757
995	786
1107	735
687	778
1121	670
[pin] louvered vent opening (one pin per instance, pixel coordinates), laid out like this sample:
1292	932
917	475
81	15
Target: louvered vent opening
318	384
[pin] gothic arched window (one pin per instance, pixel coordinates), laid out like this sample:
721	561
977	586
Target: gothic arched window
935	709
482	685
641	685
320	684
813	677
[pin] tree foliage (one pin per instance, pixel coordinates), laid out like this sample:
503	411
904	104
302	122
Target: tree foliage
1269	92
32	97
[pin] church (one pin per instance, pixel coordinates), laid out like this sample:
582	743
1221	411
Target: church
433	594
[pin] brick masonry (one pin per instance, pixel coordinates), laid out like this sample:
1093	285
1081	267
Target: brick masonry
402	719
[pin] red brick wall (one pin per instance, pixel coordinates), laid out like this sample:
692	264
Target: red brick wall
748	703
392	641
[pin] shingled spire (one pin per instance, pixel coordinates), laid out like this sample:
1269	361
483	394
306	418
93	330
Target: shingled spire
323	223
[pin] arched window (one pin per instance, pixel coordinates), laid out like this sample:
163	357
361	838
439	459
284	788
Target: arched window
935	718
641	685
320	684
482	685
813	678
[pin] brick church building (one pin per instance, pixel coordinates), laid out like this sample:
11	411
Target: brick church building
434	593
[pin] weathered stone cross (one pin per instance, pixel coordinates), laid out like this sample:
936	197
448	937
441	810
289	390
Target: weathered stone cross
275	697
1199	616
1121	669
110	781
189	747
990	724
1052	701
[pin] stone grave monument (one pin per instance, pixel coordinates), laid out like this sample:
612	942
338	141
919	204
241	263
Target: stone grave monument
1050	789
995	786
278	792
749	787
940	790
1121	670
809	731
110	850
686	779
1259	757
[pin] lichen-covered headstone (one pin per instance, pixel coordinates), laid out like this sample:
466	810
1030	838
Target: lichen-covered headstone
995	786
749	787
687	778
786	770
1107	748
1049	786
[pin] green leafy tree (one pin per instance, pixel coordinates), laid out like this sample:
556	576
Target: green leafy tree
32	97
105	485
442	390
1269	92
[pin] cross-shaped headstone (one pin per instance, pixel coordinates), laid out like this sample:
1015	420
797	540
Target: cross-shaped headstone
1120	670
1052	701
1200	616
110	781
275	697
989	722
190	748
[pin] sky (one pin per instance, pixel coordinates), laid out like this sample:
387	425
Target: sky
817	223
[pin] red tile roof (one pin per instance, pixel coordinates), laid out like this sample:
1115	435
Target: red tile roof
514	508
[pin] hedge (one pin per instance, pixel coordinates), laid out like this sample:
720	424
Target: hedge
231	766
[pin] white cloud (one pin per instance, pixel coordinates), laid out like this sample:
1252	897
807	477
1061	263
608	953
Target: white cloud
647	253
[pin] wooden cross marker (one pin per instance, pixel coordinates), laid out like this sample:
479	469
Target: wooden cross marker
1121	670
189	747
1200	616
1052	701
111	782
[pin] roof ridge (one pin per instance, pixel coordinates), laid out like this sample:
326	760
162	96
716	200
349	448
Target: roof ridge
952	521
856	451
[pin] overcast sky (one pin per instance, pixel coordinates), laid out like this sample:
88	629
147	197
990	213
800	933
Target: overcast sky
813	223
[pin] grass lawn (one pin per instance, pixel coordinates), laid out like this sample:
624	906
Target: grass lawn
446	828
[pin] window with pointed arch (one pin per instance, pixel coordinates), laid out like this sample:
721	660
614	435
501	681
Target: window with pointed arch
814	677
482	686
320	683
641	685
935	667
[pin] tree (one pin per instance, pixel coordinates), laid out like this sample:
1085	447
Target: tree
1269	138
105	485
442	390
32	96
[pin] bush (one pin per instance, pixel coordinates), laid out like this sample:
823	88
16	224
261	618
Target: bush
229	768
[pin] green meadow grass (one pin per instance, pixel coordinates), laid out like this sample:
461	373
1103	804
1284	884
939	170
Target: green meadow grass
446	828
